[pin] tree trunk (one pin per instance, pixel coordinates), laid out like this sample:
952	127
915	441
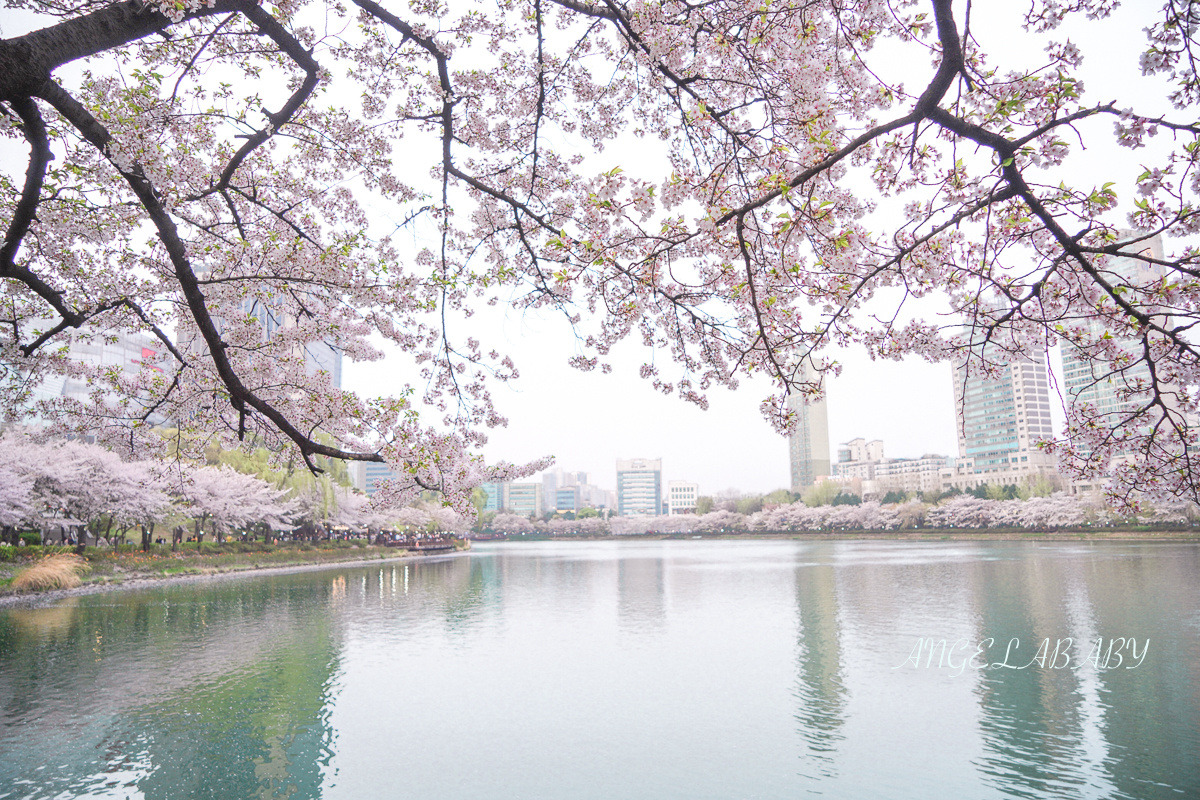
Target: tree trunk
147	535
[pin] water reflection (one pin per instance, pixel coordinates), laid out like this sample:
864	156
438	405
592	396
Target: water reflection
185	693
621	669
820	688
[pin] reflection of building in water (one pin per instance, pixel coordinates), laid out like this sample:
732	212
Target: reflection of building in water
1030	723
641	591
820	688
1143	708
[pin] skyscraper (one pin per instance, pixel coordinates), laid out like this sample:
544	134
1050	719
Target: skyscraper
1001	420
808	444
1096	384
639	486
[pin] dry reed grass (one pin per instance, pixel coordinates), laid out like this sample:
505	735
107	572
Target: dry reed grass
55	572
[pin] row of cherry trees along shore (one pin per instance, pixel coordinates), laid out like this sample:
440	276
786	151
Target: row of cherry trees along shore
48	486
962	511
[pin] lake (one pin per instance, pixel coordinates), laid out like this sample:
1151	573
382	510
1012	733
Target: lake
625	670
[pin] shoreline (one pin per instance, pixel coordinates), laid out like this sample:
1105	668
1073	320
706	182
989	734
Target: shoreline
940	535
149	581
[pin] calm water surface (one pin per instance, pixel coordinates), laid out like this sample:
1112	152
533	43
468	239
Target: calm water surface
626	671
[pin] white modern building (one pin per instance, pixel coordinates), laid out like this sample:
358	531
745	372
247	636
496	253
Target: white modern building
860	450
923	474
682	497
128	354
862	464
639	486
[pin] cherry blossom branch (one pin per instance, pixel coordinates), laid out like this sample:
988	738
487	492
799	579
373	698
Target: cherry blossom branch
241	397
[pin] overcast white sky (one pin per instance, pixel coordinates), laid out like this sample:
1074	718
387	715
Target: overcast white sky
587	421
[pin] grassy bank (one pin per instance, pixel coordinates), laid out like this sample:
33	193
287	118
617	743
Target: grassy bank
108	566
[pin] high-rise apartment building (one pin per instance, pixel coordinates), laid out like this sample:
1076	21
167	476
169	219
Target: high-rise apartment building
860	450
808	444
1001	420
1096	384
861	464
639	486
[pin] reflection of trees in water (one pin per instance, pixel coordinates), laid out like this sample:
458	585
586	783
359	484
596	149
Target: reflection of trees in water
452	593
260	732
191	691
820	690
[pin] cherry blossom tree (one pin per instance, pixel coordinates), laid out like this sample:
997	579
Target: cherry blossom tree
512	523
74	479
16	503
226	500
209	170
355	510
721	522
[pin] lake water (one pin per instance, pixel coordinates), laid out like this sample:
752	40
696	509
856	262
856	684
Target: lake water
626	670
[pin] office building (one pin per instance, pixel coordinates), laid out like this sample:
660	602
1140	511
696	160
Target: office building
567	498
682	497
639	486
494	494
524	499
373	474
